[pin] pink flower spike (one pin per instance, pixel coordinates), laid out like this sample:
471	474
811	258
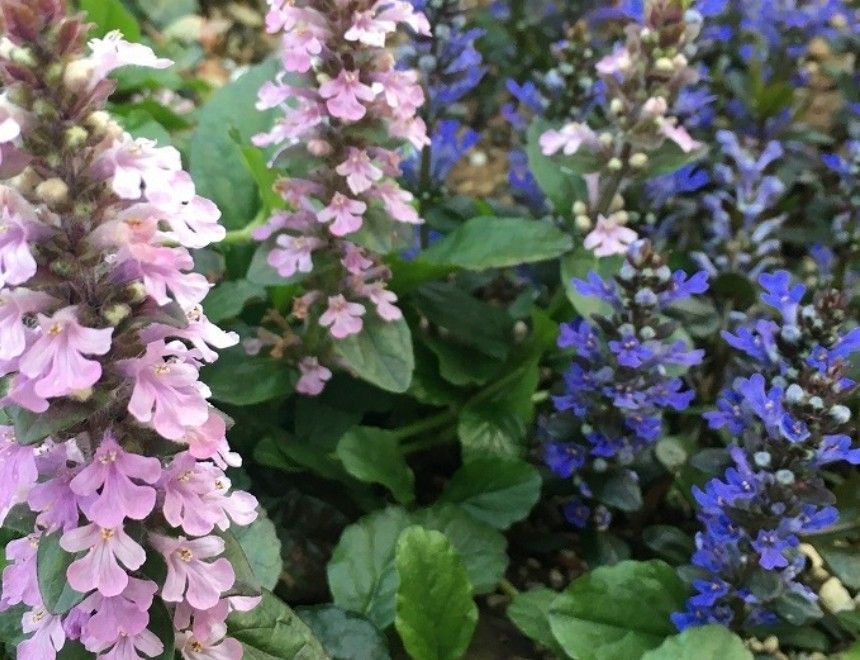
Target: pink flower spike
343	316
100	568
58	506
18	225
20	584
113	52
344	94
609	238
56	360
403	12
207	440
124	614
48	635
214	647
313	378
617	62
14	306
300	45
569	139
359	170
189	577
167	393
345	212
398	202
163	271
129	647
112	470
10	130
384	301
369	30
293	254
18	471
680	136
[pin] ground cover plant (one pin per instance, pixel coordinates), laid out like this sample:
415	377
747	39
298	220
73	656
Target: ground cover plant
431	329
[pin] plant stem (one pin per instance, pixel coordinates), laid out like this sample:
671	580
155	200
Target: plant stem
427	424
442	438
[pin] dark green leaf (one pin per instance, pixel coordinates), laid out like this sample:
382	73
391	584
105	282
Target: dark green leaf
495	490
272	631
344	635
617	612
247	582
436	615
483	327
228	299
217	163
32	428
164	12
670	158
262	548
374	456
796	609
51	564
488	242
243	380
161	625
361	573
703	643
844	562
381	354
529	611
619	490
480	547
382	235
562	187
669	542
109	15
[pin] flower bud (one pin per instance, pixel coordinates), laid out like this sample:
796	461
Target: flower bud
606	139
23	57
78	75
616	106
840	414
835	597
116	313
136	292
75	138
638	160
54	192
583	223
579	208
614	165
664	65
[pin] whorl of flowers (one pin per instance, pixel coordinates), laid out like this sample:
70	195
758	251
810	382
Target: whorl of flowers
789	420
115	453
845	234
641	81
743	229
623	377
449	67
351	114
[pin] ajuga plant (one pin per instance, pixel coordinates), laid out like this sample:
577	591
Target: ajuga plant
449	68
347	120
625	374
789	420
113	465
641	80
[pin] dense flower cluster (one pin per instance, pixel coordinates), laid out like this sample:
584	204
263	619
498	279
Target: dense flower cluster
641	81
449	67
789	420
624	376
742	236
350	117
115	456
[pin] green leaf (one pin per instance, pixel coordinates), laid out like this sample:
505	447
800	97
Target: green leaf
461	365
670	158
577	265
262	548
381	354
559	186
273	631
51	564
161	624
380	234
217	163
483	327
488	242
495	490
164	12
32	428
480	546
74	650
669	542
496	424
617	612
620	490
110	15
374	456
243	380
703	643
228	299
361	574
345	635
247	582
436	615
529	611
844	562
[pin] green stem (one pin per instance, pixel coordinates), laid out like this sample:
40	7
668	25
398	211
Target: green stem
508	589
443	438
424	425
